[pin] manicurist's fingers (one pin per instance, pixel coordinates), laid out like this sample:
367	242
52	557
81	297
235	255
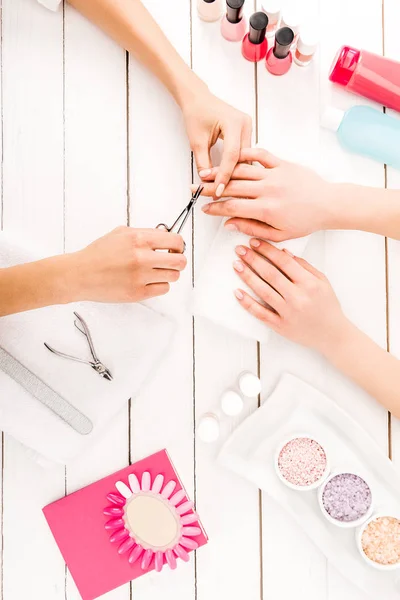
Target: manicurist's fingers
230	157
159	239
259	286
256	309
241	171
156	289
265	270
281	259
202	157
168	260
255	228
163	275
265	158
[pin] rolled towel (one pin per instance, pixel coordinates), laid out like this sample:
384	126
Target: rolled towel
214	291
55	406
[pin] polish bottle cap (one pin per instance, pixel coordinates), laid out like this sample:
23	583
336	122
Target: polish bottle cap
258	26
308	41
234	10
344	65
208	429
332	118
291	18
283	40
272	7
209	1
231	403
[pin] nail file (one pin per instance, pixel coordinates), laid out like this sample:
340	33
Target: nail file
42	392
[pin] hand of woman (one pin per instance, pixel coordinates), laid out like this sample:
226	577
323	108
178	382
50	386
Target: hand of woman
124	265
274	200
302	305
208	118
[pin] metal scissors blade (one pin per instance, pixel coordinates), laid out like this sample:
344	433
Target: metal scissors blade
184	215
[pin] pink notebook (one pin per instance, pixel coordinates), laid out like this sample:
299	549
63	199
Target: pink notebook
124	525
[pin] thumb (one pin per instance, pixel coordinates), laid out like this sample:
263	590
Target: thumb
265	158
201	153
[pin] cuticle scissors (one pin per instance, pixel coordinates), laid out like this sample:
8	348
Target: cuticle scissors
184	215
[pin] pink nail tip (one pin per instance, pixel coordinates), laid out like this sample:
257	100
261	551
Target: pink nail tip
158	483
118	536
169	488
185	507
112	511
159	561
146	481
181	553
114	524
116	499
135	554
126	545
188	519
171	560
178	497
147	558
188	543
191	531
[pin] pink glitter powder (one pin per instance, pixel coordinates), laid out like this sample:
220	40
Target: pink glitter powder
380	541
302	462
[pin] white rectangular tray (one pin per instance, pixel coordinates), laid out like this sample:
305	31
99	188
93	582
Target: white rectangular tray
296	407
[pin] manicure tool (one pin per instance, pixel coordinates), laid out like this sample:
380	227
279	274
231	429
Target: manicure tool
96	364
42	392
183	217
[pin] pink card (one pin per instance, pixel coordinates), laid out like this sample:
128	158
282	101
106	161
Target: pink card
124	525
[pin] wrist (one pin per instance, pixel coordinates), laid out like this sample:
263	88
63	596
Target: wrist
351	206
335	344
190	89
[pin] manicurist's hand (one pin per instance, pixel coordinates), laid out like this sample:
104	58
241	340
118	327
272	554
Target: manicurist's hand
126	266
275	200
208	118
303	305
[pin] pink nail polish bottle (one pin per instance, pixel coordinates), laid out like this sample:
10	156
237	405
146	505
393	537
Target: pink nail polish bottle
279	58
254	45
234	24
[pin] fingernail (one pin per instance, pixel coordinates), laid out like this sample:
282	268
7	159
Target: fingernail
238	266
239	295
255	243
241	250
231	227
219	190
205	208
288	252
205	172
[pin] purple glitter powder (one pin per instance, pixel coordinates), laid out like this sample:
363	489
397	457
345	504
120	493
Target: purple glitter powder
346	497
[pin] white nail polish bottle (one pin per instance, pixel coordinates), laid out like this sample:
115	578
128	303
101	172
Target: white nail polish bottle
209	10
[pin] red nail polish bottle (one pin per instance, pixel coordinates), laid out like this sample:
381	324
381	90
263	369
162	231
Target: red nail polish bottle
279	58
254	45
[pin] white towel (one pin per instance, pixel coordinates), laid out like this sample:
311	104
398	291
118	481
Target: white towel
129	338
214	291
51	4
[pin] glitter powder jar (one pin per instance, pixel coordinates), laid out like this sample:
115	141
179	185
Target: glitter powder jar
301	463
378	541
345	499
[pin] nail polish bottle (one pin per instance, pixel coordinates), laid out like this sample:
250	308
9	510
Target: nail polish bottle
279	58
234	24
291	19
306	47
254	45
209	10
272	9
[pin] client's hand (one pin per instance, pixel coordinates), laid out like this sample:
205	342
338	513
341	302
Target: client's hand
304	307
124	265
275	200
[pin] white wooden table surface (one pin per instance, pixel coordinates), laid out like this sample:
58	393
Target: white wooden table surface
91	140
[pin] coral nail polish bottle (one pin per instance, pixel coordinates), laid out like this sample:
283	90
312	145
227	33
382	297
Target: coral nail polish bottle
234	24
279	58
209	10
254	45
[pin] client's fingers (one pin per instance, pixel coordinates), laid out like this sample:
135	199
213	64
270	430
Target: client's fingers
241	171
256	309
237	189
255	228
263	290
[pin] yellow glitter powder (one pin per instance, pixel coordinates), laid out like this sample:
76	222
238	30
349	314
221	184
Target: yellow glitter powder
380	540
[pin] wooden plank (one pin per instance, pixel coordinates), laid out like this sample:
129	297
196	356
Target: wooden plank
95	197
392	50
230	566
354	262
159	188
33	208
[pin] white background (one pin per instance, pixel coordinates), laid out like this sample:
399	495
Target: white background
90	141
